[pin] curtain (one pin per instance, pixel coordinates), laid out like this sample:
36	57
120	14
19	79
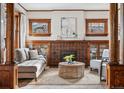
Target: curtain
23	25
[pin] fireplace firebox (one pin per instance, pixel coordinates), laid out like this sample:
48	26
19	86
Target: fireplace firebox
66	53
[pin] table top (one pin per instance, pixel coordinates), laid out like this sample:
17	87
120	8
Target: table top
74	64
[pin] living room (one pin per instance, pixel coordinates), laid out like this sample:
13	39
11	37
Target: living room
64	45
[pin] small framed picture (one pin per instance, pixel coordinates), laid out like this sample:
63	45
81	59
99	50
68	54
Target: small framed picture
96	27
39	27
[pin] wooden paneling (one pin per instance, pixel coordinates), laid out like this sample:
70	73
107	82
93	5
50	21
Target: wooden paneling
115	72
56	47
8	76
113	41
97	43
17	30
115	76
9	71
10	34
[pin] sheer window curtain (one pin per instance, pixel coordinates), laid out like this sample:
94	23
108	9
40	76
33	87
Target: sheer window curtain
23	28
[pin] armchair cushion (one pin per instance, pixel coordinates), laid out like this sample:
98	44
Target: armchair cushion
95	64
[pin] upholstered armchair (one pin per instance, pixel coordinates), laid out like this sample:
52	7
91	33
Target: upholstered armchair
97	64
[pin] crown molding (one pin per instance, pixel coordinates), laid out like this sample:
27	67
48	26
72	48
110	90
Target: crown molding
58	9
22	7
64	10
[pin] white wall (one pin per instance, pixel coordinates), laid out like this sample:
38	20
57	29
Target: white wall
55	17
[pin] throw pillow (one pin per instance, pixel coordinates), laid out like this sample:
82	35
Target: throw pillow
20	55
42	51
33	54
27	53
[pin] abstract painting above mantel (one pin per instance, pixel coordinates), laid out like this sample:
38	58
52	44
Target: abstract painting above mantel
96	27
39	27
68	27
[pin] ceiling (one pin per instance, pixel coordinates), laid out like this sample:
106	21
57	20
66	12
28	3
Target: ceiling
60	6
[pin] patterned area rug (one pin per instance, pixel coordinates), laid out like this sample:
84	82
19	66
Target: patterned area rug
50	77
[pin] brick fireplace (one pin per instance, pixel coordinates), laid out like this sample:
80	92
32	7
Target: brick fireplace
59	49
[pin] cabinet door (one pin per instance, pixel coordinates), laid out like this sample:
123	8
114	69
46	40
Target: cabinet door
93	51
101	48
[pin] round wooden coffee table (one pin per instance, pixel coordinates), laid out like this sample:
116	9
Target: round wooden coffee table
71	71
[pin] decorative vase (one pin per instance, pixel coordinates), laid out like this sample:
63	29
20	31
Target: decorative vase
70	62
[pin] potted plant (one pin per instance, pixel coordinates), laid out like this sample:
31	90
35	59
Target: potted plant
69	58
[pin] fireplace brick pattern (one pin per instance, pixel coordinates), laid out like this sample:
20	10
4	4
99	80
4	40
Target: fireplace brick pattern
57	47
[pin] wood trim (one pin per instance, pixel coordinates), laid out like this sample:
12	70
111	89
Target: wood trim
65	10
95	10
9	71
90	41
60	9
105	21
17	30
115	72
10	34
97	43
22	7
113	41
40	21
8	76
115	76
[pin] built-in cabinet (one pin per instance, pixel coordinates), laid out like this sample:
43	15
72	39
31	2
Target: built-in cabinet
96	49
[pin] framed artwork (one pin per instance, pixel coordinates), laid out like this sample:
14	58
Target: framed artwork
68	27
96	27
39	27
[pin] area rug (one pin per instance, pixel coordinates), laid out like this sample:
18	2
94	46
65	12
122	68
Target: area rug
50	77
